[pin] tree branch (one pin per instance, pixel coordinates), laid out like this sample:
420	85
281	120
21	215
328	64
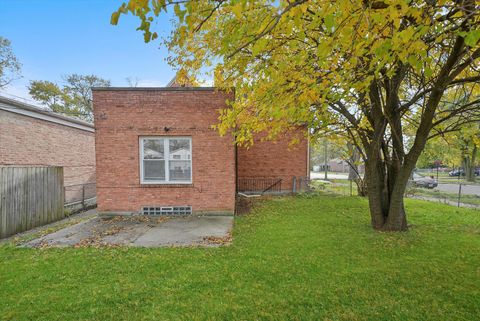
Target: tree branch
270	26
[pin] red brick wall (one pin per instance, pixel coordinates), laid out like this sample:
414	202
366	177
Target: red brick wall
122	116
275	159
29	141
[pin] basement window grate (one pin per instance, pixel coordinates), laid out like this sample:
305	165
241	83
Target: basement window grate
167	210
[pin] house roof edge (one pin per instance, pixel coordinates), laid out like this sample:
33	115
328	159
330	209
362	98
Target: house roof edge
18	107
159	89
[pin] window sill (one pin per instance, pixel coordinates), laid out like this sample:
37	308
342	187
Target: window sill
167	185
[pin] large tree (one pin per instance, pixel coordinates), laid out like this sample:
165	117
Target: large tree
9	64
73	98
362	67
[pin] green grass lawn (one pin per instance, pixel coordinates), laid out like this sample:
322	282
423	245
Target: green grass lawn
304	258
339	187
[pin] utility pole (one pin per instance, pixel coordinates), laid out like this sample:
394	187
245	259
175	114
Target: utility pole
438	162
326	159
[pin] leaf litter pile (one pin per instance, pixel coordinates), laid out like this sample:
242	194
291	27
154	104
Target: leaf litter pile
215	240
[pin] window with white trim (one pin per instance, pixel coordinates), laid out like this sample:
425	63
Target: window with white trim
165	160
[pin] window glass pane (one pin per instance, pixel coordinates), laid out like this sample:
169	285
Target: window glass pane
154	170
153	149
180	170
180	166
179	148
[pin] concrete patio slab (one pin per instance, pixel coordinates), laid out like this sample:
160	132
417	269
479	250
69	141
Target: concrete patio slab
187	231
141	231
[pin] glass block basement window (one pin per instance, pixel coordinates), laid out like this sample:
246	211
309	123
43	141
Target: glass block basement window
167	210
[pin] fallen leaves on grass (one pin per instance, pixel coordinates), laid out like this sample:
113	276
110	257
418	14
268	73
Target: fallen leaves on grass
95	242
216	240
42	245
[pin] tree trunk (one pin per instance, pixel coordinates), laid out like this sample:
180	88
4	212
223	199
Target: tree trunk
386	186
376	196
397	217
361	187
386	206
474	161
469	165
353	173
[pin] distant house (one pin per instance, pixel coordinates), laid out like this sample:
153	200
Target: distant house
157	153
30	136
337	165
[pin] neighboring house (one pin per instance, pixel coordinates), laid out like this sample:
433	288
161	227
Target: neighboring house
30	136
337	165
158	154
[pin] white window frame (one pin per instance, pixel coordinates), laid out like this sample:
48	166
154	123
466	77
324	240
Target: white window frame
166	150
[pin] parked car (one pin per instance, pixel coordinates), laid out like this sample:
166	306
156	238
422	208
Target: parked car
457	172
424	181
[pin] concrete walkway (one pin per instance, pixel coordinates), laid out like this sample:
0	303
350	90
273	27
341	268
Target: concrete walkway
141	231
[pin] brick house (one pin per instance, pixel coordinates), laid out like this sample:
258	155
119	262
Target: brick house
156	153
30	136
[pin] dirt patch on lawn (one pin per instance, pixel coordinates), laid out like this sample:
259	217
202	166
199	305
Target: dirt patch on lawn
244	204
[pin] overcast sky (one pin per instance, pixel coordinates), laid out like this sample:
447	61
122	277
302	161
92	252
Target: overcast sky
52	38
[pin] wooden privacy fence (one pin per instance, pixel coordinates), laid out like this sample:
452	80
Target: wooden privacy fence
29	197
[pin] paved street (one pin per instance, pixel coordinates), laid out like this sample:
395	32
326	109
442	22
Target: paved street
449	187
466	189
330	175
